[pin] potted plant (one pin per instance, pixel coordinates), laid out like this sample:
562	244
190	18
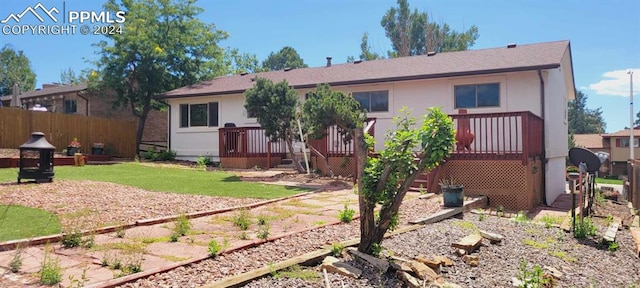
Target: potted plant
97	148
452	193
74	147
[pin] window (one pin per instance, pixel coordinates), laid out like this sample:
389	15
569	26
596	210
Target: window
70	106
374	101
624	142
199	115
477	95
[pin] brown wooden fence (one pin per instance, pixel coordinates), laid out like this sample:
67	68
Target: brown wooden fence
118	136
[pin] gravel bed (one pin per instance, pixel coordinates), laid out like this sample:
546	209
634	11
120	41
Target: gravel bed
92	204
215	269
590	266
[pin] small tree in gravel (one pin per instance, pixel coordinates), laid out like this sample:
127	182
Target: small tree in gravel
274	106
384	180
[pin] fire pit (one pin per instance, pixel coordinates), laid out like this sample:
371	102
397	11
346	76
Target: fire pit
36	159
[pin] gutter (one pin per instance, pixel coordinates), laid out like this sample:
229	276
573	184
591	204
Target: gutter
376	80
543	157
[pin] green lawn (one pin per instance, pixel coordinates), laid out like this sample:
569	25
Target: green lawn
18	222
165	179
608	181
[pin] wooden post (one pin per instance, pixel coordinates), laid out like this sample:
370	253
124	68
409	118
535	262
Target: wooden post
268	154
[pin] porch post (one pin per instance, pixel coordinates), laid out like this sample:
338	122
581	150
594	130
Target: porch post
525	134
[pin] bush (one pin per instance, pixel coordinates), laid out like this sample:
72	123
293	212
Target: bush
154	155
214	248
166	155
585	228
204	161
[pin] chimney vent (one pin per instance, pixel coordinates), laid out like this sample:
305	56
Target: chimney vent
431	53
511	45
328	61
243	73
288	68
357	61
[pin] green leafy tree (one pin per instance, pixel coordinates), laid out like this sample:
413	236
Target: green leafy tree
287	57
15	68
637	122
411	33
69	77
386	179
583	120
164	46
274	106
366	52
239	63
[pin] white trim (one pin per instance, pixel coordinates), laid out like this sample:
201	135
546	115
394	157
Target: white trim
501	79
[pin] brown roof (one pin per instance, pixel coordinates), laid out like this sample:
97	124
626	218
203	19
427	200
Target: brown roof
588	140
472	62
624	132
54	90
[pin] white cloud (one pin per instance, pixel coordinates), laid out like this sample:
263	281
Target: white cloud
617	83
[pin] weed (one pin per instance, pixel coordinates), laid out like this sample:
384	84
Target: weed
549	220
535	244
608	220
376	249
585	228
481	215
242	219
76	239
319	223
298	272
599	198
51	272
346	215
531	278
263	219
337	248
422	190
521	217
180	227
613	246
244	236
16	261
120	232
263	232
77	283
563	255
466	225
214	248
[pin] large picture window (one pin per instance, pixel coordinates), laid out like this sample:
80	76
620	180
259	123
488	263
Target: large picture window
199	115
477	95
373	101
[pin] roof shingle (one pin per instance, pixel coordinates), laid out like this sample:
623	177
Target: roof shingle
472	62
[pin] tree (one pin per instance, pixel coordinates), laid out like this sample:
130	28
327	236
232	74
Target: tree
287	57
239	63
365	50
274	106
411	33
69	77
386	179
637	122
583	120
15	68
163	46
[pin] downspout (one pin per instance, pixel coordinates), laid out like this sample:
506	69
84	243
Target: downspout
169	129
86	102
543	157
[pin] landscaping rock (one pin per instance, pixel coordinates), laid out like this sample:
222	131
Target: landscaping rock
471	260
468	243
380	264
461	252
400	265
555	273
433	264
444	260
449	285
423	271
333	265
408	280
492	237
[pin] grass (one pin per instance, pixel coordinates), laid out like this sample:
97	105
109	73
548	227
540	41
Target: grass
535	244
563	255
168	179
13	219
608	181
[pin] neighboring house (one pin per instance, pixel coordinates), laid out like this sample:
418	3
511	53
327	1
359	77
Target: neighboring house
596	143
620	150
78	100
515	99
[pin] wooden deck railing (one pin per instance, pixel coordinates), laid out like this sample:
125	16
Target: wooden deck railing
242	142
334	144
492	136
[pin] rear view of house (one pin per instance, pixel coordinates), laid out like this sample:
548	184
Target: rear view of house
509	105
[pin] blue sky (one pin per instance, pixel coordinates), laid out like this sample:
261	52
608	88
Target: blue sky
604	35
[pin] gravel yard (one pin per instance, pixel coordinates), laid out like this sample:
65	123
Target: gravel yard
582	262
98	204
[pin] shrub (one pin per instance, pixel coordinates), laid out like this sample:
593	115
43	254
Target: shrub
204	161
214	248
346	215
263	232
337	248
166	155
585	228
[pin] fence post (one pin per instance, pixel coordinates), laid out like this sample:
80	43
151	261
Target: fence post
268	154
525	135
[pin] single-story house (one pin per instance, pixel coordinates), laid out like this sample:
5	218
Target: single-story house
509	103
77	99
